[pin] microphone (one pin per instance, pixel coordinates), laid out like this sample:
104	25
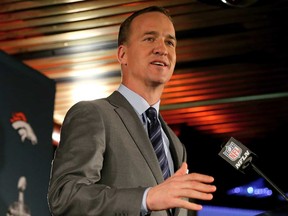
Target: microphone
240	157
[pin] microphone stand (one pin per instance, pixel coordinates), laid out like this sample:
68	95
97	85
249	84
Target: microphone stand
268	180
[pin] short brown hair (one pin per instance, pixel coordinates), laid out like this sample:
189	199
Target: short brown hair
125	26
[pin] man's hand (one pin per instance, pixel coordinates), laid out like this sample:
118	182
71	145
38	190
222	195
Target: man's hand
169	194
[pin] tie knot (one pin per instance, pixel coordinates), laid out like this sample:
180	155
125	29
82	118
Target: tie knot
151	113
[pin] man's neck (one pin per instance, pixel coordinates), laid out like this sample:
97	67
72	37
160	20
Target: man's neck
152	95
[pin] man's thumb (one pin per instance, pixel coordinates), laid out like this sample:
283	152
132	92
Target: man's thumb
182	170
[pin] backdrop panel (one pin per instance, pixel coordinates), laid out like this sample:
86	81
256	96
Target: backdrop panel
26	150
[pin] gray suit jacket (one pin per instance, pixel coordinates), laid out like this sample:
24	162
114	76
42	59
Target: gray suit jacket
105	161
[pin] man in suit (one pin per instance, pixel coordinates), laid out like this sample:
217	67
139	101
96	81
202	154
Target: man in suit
105	163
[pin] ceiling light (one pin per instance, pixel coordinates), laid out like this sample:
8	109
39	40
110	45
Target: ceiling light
239	3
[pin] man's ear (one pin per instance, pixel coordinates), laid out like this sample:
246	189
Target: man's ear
121	55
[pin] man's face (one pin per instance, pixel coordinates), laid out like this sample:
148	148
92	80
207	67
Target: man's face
150	53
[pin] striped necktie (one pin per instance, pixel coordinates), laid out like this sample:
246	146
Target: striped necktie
154	132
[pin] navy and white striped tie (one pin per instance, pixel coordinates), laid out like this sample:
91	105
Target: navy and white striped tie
154	132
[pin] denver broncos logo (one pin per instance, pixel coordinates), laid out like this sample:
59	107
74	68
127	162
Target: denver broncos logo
19	123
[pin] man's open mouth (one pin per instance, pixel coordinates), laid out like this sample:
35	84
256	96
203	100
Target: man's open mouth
158	63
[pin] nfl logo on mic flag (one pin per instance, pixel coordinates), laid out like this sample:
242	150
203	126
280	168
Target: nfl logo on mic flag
236	154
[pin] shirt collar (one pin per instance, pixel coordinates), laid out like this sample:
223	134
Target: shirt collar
138	102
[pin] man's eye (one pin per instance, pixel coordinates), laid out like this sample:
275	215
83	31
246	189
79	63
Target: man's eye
170	43
149	39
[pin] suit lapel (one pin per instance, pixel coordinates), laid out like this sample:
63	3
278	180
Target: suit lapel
135	128
173	147
175	152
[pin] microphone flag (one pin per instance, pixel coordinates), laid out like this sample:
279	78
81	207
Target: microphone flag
237	154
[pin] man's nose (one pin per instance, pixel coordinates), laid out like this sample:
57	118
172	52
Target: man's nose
160	48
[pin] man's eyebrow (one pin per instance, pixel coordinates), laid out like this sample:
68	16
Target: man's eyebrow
172	37
150	33
156	33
